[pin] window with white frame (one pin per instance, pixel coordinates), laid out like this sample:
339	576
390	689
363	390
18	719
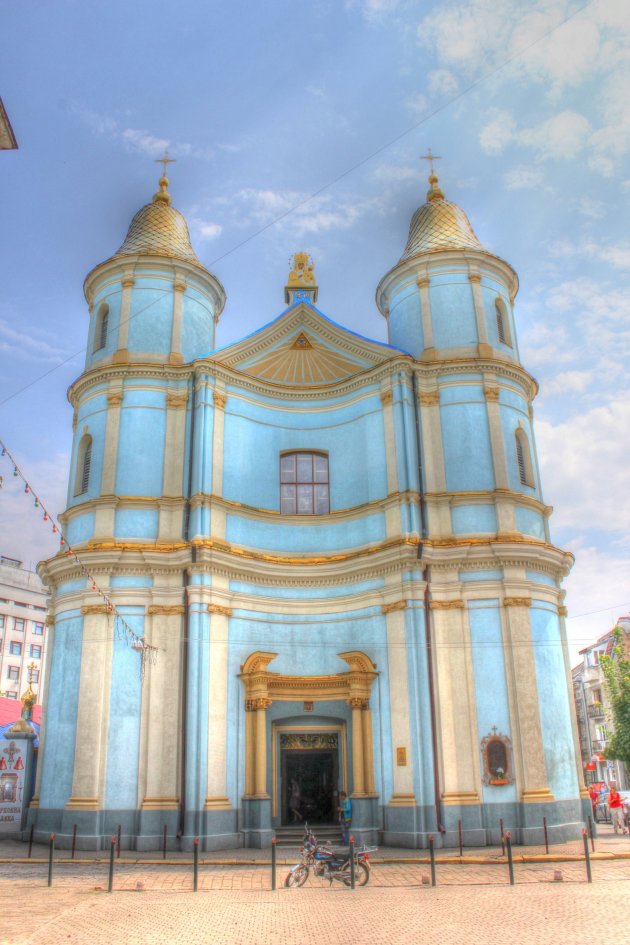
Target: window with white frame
13	672
36	651
18	624
38	629
15	648
304	485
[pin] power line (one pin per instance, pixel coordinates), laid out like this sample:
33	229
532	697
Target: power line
335	180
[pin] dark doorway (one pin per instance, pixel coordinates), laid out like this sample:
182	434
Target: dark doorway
309	786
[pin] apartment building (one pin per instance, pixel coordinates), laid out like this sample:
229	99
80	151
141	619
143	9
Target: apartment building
593	709
22	629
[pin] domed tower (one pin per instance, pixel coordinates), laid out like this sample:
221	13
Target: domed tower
153	311
495	613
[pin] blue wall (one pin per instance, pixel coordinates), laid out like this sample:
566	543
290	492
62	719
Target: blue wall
123	742
139	469
466	439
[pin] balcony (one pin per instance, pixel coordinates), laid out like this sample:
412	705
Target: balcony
596	710
599	744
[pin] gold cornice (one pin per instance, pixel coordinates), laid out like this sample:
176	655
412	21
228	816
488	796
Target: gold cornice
165	610
390	608
485	495
218	609
88	609
374	505
517	602
263	687
446	604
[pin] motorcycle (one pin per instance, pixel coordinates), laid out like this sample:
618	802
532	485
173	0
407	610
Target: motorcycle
330	864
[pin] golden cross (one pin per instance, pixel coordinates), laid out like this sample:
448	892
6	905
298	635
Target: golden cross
430	157
164	161
31	668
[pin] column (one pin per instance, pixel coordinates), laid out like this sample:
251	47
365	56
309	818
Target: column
492	393
179	287
425	315
112	429
171	513
357	705
217	708
392	515
403	793
161	709
457	717
262	705
125	315
45	675
521	676
368	752
217	516
480	315
250	748
90	753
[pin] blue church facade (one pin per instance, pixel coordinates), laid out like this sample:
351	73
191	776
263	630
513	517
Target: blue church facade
339	547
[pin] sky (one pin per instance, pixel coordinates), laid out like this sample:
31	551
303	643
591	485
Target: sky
300	127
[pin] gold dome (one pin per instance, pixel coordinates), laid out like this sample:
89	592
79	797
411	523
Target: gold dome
159	230
439	224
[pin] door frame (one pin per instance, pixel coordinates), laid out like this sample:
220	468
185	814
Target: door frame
276	756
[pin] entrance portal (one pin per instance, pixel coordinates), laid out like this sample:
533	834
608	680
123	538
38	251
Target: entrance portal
309	779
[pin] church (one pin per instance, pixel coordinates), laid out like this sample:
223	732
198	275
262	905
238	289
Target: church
339	549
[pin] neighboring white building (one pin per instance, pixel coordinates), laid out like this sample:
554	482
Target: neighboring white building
22	628
593	709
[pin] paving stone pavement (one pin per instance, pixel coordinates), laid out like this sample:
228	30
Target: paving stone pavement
530	914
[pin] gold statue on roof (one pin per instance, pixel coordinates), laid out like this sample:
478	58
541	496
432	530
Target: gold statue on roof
303	273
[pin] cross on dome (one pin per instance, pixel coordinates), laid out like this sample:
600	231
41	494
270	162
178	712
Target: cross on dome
163	196
430	157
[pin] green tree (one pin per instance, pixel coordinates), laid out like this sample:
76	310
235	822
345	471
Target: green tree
616	669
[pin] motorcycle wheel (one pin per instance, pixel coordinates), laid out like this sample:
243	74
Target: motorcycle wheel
297	877
361	875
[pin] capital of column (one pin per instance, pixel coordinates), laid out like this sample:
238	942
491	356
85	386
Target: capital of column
176	399
114	398
252	705
358	702
517	602
386	397
429	398
492	393
219	400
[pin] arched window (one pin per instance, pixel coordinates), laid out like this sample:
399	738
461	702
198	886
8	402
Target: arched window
84	461
102	324
524	458
503	325
304	484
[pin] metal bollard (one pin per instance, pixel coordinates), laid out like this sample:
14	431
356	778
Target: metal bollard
273	863
508	843
119	832
110	880
590	833
352	876
587	858
51	853
546	835
432	855
461	838
30	841
164	842
195	864
74	841
502	836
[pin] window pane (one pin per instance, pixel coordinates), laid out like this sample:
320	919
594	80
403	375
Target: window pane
287	468
321	500
321	469
305	500
305	467
287	500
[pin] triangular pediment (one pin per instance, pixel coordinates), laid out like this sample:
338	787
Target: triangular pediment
303	348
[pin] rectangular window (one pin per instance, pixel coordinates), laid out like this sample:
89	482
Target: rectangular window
13	672
18	624
38	628
304	488
11	695
15	648
1	621
35	675
36	651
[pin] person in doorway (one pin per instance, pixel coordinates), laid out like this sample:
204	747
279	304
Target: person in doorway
345	816
593	793
615	806
295	801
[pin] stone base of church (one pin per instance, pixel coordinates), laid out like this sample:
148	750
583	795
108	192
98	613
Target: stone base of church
372	823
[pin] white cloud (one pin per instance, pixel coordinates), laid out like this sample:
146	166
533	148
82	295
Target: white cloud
137	139
417	103
374	9
144	142
563	135
616	255
33	345
498	132
567	382
591	208
584	466
523	177
204	229
443	82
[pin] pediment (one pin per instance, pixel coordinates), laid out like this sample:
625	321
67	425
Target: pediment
303	348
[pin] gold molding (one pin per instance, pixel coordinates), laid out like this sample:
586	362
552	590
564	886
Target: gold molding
492	393
114	398
219	399
446	604
218	609
474	277
50	620
261	683
176	399
423	282
537	796
88	609
165	610
390	608
160	803
217	803
402	800
562	611
83	803
517	602
460	798
429	398
386	397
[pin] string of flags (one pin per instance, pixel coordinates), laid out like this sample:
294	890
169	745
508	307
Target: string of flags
148	653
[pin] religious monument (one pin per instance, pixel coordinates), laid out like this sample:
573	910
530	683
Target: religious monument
339	548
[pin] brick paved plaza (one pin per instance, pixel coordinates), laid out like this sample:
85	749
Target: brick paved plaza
473	903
